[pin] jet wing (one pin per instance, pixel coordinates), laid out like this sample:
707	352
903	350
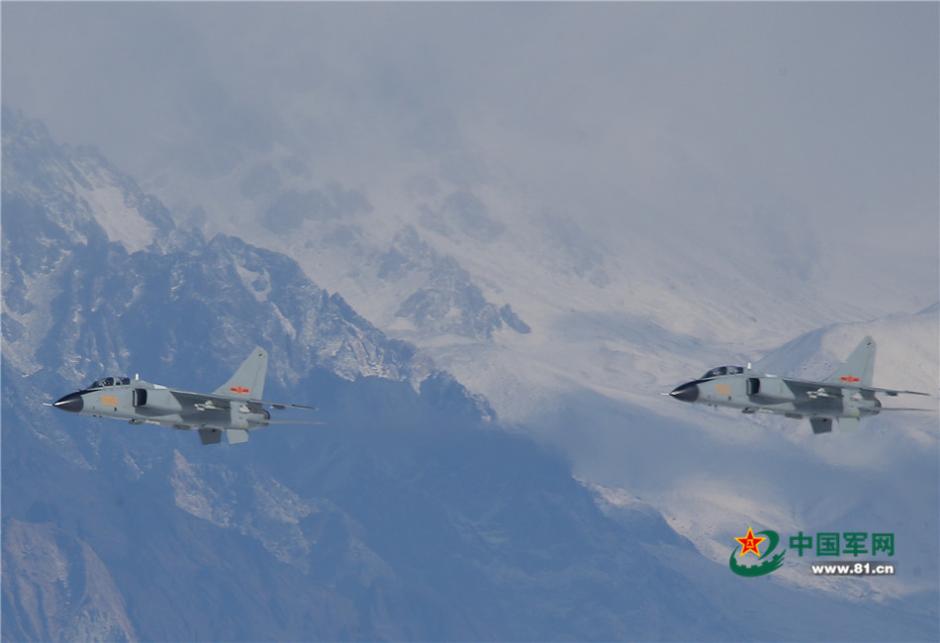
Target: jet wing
830	389
812	390
202	401
283	405
889	391
214	401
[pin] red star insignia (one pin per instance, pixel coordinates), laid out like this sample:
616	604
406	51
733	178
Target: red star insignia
750	542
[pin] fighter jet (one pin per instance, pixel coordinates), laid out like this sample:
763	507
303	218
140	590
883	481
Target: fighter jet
235	408
847	395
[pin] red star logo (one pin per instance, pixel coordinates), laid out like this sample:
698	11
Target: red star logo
750	542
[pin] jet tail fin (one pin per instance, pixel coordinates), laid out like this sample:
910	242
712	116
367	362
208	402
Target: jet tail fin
248	380
859	366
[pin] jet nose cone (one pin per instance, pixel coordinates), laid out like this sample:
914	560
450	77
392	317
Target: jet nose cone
72	402
687	392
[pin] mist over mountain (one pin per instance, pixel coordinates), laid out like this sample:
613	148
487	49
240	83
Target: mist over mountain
410	514
483	240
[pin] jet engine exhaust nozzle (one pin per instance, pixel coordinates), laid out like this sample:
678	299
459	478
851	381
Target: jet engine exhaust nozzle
687	392
72	402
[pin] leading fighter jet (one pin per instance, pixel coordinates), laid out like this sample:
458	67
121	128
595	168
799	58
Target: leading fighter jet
847	395
234	408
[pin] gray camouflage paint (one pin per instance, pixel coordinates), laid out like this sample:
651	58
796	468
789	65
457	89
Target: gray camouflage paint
234	408
846	395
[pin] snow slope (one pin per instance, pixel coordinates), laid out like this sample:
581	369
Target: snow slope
713	472
616	320
599	328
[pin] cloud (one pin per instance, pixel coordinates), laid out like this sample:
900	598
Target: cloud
291	208
639	121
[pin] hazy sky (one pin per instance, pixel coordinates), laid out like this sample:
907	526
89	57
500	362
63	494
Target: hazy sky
822	116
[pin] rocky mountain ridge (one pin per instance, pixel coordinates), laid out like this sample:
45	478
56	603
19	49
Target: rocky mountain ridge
410	514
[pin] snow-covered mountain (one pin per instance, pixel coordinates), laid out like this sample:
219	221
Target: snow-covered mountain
66	247
610	322
506	289
711	471
412	514
614	320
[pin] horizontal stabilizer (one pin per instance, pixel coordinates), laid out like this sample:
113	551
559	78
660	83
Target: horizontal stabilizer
848	424
289	422
236	436
284	405
893	392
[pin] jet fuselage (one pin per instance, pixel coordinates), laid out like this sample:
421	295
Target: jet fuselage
752	392
143	402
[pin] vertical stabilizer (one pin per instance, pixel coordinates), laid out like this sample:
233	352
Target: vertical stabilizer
859	366
248	380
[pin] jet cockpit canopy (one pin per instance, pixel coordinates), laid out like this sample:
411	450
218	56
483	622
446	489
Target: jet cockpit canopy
723	370
110	381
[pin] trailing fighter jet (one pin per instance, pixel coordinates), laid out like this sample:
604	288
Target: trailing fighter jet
846	395
234	408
